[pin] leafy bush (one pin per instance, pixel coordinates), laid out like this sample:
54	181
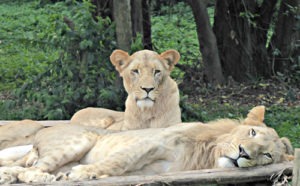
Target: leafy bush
24	50
176	29
82	75
286	121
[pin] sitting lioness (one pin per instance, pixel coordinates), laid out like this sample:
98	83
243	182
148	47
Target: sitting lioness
87	154
153	97
152	102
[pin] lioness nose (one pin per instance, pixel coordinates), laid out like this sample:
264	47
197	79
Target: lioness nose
147	89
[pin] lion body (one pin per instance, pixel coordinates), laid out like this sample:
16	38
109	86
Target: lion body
18	133
90	153
153	97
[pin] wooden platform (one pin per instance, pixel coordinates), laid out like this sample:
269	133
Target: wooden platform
47	123
199	177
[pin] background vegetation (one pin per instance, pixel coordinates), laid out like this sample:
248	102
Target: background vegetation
54	61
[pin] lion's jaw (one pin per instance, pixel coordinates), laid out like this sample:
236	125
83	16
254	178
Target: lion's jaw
145	103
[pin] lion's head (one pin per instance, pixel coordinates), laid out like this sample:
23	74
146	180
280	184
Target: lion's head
252	144
144	72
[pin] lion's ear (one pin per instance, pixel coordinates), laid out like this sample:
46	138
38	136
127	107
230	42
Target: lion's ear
289	151
256	116
172	57
119	59
288	146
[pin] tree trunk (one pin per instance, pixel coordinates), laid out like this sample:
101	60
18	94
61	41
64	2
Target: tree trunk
146	25
260	36
122	18
208	45
141	23
283	47
137	17
242	37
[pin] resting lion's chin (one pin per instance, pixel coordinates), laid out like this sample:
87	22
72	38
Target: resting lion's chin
225	162
145	103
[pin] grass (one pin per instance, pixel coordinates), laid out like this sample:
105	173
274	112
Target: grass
23	50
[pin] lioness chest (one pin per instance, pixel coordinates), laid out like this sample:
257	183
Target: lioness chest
148	151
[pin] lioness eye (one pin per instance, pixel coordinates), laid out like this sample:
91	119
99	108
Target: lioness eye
136	71
252	133
268	155
156	72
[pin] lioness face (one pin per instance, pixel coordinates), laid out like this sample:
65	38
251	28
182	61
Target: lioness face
249	146
144	72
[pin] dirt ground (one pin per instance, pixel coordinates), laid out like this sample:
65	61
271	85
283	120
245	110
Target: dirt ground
264	92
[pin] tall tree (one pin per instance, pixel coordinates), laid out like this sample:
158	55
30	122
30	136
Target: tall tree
122	18
235	31
208	43
283	47
137	17
146	25
141	22
242	27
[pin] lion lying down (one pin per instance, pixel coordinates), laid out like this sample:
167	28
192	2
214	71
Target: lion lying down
84	153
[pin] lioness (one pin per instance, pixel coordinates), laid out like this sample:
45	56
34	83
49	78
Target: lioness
153	97
152	102
185	146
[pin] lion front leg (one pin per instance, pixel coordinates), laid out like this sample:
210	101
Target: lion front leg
126	160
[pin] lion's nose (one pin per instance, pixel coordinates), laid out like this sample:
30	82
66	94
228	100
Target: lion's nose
243	153
147	89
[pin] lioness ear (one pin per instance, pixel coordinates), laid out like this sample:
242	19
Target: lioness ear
119	59
172	57
256	116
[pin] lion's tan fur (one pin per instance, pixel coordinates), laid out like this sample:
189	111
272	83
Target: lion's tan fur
143	70
185	146
18	133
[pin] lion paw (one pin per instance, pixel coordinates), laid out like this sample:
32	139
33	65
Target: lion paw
9	174
84	172
36	175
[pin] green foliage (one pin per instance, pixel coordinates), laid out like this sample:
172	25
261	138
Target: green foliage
82	75
190	112
176	30
286	121
24	51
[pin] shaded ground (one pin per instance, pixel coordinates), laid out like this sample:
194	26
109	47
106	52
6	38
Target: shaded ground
264	92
